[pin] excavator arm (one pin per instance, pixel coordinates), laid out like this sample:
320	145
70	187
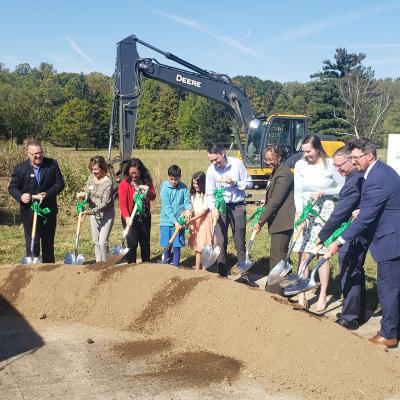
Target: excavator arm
129	75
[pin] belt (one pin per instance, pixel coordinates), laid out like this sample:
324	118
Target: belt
239	203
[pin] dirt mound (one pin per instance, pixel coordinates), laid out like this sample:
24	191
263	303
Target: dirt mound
217	324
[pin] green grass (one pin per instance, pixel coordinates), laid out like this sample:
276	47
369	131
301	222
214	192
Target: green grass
12	247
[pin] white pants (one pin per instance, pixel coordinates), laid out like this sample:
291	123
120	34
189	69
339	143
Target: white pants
101	228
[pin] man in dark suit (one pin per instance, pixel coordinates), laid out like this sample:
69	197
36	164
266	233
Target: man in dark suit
41	176
379	213
279	209
351	255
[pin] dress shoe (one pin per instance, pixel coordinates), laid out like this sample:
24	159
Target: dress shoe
389	343
350	325
247	281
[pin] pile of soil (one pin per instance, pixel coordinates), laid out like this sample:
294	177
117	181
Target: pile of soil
217	325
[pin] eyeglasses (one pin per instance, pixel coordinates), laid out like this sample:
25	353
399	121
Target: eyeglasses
356	158
341	165
38	154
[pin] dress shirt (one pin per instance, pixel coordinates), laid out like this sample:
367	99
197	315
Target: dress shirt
234	169
36	171
368	170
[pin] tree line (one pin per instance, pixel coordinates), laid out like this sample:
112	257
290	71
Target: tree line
73	110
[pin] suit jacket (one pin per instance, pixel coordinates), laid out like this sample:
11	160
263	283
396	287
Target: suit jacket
23	181
279	201
349	200
379	212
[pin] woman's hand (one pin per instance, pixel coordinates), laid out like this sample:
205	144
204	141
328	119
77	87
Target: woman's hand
143	188
315	195
81	195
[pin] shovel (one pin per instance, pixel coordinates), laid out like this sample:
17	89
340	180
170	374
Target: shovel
292	279
248	263
75	258
32	259
165	256
303	284
119	251
210	253
278	273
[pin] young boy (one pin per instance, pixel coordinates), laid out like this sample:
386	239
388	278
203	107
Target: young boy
175	201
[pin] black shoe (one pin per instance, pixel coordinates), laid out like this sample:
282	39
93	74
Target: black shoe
247	281
350	325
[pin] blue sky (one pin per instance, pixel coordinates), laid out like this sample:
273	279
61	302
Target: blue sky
282	40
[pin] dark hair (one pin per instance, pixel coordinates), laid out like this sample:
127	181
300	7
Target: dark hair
215	149
315	142
200	178
145	176
363	144
174	171
273	148
100	161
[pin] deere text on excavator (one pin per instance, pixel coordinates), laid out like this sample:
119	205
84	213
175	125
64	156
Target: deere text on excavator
287	131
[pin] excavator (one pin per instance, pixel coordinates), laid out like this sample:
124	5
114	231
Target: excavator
287	131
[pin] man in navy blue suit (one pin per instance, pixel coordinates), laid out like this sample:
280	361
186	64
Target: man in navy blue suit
379	214
351	255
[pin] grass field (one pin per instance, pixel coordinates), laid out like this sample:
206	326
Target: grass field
74	167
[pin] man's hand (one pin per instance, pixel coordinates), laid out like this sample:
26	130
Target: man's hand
355	213
318	242
26	198
230	181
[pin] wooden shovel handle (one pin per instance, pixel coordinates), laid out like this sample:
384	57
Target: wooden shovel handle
132	216
298	232
78	226
172	238
34	224
253	235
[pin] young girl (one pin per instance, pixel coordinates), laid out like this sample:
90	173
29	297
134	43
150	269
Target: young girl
137	178
200	228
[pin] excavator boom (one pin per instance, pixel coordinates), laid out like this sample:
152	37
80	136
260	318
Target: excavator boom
129	74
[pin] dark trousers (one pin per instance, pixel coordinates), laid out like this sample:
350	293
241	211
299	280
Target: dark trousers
389	297
44	236
235	217
138	234
352	279
278	251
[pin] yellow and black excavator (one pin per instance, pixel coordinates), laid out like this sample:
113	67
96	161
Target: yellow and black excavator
286	131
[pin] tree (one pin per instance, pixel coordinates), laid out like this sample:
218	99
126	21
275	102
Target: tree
345	63
365	102
188	122
72	125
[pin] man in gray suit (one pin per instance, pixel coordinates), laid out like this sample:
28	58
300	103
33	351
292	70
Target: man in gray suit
279	208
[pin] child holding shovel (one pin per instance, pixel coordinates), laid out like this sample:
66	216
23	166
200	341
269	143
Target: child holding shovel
136	190
200	229
99	194
175	200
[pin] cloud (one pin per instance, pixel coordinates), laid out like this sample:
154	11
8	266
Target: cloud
325	24
226	40
77	49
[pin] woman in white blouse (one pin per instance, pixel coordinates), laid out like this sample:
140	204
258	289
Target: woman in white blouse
314	178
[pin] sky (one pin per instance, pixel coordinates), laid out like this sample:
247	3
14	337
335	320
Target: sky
284	40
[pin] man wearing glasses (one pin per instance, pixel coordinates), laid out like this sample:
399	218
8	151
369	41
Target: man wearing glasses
379	213
229	174
351	255
42	177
